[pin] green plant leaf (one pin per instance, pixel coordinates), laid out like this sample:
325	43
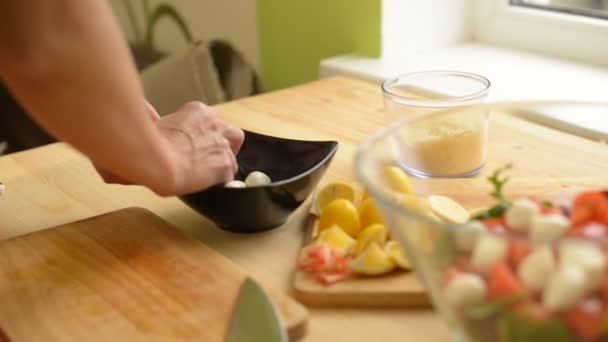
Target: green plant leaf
494	212
499	181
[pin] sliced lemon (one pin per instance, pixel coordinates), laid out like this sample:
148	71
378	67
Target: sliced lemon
365	195
396	253
335	237
369	213
421	238
344	214
398	180
448	209
376	233
334	191
419	205
373	261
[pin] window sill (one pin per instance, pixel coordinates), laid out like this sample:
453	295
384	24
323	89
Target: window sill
514	75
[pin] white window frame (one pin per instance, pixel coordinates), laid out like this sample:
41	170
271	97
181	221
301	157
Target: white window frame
560	35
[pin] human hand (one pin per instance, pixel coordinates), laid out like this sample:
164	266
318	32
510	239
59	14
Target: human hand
203	145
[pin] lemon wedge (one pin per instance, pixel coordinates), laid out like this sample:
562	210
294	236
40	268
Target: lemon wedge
365	195
376	233
373	261
335	237
398	180
344	214
419	205
396	253
448	209
369	213
333	191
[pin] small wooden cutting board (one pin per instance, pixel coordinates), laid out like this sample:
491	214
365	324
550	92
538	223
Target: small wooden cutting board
397	289
123	276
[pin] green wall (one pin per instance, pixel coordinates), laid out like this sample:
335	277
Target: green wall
296	34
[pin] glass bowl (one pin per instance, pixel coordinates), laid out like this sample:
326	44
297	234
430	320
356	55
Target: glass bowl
523	264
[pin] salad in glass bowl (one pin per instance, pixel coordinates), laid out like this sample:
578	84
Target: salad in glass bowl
518	252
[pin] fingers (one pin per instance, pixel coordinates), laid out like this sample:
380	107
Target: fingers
223	168
223	147
203	145
235	137
235	165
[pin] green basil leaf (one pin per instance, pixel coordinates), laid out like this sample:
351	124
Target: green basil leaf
496	211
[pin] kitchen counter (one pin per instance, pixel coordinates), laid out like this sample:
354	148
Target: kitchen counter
53	185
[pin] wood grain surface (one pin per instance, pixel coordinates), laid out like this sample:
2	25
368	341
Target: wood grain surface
395	290
55	185
122	276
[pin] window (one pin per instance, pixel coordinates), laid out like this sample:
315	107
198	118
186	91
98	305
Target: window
590	8
547	27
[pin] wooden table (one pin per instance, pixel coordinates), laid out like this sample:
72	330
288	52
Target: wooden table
54	185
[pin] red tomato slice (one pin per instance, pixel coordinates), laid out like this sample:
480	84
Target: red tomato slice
316	259
496	224
451	274
593	231
518	250
502	282
586	318
604	288
328	265
589	207
464	264
338	265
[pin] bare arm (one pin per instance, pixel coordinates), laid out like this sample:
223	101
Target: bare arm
67	63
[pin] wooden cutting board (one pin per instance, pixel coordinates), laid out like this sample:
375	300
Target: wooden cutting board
398	289
126	275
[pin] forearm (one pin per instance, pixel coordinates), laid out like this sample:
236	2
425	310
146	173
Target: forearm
69	66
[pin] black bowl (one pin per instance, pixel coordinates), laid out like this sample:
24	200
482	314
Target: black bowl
295	168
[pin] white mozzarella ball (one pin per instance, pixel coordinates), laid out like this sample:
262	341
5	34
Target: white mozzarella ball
546	228
466	237
488	251
519	216
257	178
565	287
236	184
465	289
587	256
536	268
